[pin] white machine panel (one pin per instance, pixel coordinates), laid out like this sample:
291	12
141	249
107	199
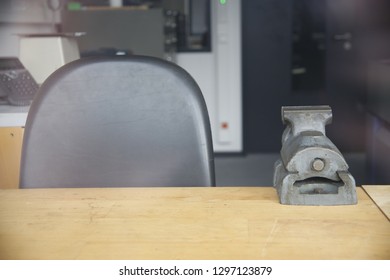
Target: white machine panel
218	74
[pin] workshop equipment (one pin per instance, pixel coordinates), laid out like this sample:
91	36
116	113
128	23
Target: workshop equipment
311	171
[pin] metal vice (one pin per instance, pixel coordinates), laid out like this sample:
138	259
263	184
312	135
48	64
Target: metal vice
311	171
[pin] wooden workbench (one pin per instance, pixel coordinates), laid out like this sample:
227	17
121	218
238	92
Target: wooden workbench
185	223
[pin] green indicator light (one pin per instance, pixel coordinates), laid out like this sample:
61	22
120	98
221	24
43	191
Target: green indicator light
222	2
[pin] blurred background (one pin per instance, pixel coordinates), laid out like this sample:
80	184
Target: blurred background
249	57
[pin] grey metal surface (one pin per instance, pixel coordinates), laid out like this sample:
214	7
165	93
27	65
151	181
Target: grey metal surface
118	122
311	171
140	32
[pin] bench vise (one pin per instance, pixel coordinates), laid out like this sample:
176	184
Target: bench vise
311	170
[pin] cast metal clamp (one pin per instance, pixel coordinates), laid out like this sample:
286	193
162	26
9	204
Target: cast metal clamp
311	170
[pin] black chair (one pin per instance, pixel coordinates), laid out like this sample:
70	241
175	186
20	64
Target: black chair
118	122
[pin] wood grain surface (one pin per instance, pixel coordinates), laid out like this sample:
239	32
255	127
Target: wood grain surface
11	139
185	223
381	196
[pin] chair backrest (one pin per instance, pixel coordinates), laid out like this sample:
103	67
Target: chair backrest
118	122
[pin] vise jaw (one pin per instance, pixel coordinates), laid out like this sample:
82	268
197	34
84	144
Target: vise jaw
311	170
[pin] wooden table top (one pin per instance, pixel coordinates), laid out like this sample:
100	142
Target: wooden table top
185	223
381	196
